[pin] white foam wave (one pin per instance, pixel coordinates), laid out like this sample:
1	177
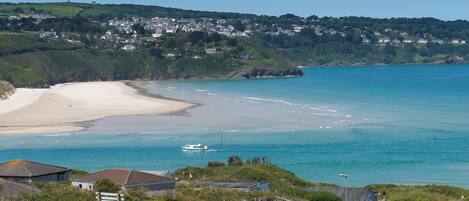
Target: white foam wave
231	131
271	100
57	135
281	101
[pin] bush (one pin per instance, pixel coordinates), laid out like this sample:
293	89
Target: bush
58	192
106	185
259	160
215	164
235	161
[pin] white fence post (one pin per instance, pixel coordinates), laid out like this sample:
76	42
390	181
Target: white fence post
102	196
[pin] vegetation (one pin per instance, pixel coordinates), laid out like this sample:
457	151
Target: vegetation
27	61
106	185
420	193
58	192
6	89
284	183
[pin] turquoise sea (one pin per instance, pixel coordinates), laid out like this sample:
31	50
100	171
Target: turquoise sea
380	124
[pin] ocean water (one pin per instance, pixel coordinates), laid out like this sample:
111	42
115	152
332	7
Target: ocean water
380	124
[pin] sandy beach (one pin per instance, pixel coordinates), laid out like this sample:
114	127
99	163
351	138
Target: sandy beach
67	107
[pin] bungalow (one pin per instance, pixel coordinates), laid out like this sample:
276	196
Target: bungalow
242	186
127	179
28	172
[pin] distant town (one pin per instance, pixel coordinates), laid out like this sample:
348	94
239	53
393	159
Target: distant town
128	33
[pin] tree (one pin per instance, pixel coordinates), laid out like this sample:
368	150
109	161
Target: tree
18	10
239	26
197	36
106	185
157	52
235	161
232	42
138	28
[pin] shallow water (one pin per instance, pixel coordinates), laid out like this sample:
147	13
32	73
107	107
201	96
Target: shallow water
392	124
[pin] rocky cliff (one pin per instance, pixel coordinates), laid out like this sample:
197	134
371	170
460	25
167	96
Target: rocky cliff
269	72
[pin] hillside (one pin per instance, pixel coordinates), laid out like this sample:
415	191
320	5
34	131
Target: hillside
111	10
48	43
26	61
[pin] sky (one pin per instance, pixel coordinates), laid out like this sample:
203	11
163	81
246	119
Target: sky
446	10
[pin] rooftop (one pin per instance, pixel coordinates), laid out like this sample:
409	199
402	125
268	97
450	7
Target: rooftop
25	168
124	177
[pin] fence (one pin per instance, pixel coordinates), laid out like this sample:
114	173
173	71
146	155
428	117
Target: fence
100	196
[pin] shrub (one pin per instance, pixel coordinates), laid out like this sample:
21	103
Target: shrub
235	161
215	164
106	185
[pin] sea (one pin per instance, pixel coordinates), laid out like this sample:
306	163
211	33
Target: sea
402	124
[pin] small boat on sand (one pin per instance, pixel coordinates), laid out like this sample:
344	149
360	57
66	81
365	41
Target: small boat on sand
194	147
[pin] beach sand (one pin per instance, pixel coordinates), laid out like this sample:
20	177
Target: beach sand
66	107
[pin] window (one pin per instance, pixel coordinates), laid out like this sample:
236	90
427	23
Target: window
80	186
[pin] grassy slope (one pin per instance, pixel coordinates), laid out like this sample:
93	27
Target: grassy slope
421	193
93	10
26	60
283	182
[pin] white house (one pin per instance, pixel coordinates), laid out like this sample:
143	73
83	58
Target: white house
422	41
384	40
407	41
129	47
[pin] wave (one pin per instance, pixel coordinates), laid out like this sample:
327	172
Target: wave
201	90
271	100
281	101
231	131
57	135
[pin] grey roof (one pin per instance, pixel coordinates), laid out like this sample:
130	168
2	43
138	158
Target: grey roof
24	168
9	189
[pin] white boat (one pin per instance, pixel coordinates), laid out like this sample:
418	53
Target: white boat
194	147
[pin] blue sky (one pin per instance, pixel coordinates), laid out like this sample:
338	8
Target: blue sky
447	10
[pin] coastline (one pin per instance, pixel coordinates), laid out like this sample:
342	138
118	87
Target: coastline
376	65
72	107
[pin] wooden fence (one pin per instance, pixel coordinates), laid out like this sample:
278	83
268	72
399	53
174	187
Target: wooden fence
101	196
